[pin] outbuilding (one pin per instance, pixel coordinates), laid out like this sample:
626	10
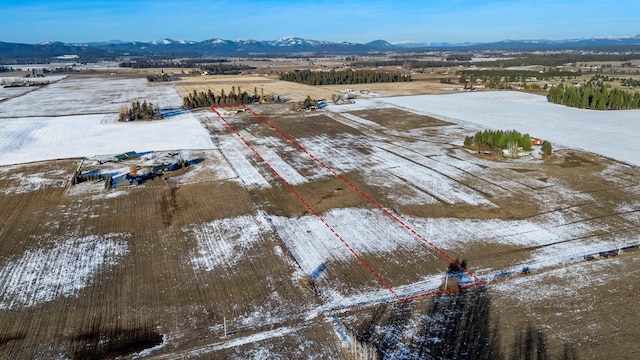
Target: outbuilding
127	155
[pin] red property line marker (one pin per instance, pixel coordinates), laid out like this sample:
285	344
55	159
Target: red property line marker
295	192
374	202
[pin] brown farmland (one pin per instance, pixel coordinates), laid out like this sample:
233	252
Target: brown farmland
158	270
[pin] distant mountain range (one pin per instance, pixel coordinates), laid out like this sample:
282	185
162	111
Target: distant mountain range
285	45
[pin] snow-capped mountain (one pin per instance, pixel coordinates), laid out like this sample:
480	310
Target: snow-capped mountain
287	45
296	41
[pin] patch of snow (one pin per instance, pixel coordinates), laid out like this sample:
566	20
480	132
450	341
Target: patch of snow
361	121
214	167
147	352
32	182
239	341
237	154
360	104
338	152
424	178
286	171
220	242
43	275
537	287
365	230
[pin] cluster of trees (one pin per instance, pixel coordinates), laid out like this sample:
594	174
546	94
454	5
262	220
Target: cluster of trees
459	57
59	70
5	69
209	98
630	82
457	266
302	105
225	69
593	96
158	77
137	111
500	79
599	80
499	139
344	77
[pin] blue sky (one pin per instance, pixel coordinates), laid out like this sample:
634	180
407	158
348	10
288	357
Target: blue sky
34	21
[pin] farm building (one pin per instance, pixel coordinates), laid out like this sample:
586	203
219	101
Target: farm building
127	155
164	168
121	182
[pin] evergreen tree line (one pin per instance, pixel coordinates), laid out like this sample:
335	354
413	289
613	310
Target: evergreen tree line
212	66
208	99
137	111
415	64
594	96
160	63
345	77
225	69
557	59
517	75
528	59
5	69
500	139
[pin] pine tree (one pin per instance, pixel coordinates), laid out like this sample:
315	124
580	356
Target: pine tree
525	142
546	149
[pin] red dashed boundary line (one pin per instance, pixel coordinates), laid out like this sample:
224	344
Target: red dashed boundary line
477	282
295	192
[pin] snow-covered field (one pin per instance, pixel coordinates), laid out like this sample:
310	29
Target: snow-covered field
46	123
44	138
73	96
610	133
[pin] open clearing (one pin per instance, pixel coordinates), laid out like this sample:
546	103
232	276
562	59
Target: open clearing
156	270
